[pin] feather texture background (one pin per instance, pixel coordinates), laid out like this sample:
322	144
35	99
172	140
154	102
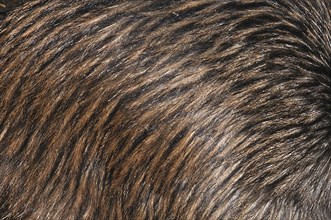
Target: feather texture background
165	110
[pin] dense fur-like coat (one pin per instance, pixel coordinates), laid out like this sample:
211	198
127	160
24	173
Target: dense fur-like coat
148	109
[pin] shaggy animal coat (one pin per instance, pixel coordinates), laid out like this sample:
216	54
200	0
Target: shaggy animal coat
209	109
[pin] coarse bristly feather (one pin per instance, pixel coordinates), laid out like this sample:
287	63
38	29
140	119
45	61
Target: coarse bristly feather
166	110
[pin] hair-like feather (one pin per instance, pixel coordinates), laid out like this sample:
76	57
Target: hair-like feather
166	110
